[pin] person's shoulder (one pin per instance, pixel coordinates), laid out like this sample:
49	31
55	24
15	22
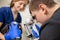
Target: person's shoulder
4	8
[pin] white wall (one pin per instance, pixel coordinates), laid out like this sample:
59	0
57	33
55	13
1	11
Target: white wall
4	2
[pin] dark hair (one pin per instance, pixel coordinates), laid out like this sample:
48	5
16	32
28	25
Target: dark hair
34	4
12	4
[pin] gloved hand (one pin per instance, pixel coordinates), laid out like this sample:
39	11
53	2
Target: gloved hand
35	30
13	31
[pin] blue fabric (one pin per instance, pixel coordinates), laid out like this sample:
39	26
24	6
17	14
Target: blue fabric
13	31
6	16
35	35
37	27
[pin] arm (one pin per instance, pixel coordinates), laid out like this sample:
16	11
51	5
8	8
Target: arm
1	22
1	17
2	36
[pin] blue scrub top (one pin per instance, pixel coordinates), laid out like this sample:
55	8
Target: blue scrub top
6	16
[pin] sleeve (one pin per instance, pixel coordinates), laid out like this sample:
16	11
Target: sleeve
50	32
1	15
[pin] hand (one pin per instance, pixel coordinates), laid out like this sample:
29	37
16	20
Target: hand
2	36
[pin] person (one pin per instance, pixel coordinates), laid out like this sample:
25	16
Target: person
46	12
9	14
1	37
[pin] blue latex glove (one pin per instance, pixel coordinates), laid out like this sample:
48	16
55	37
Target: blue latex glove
13	31
34	33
